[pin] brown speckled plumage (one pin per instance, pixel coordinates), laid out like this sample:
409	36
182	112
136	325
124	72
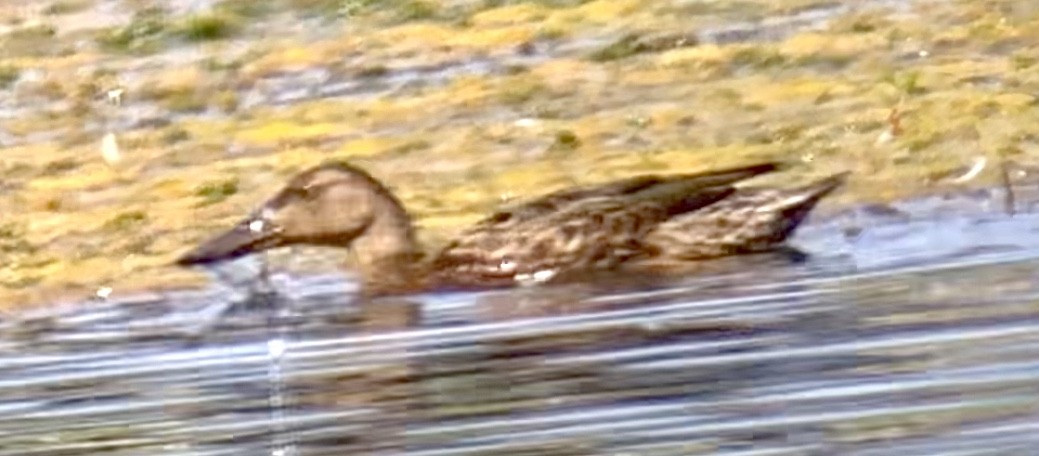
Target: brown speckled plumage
595	228
749	221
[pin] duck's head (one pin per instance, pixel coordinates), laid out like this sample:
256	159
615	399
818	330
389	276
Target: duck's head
333	204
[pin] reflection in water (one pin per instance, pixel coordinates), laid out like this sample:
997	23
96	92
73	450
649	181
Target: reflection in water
917	336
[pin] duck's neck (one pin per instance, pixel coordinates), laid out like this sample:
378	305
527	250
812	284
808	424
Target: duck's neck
387	254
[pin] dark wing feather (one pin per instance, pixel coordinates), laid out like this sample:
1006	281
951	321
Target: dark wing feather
592	228
557	201
752	220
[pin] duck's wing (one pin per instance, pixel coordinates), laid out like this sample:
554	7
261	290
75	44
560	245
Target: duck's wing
558	201
751	220
580	230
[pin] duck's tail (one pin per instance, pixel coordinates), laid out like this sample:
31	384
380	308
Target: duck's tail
793	205
747	221
806	197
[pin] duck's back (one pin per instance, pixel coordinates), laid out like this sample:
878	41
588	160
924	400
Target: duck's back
749	221
578	230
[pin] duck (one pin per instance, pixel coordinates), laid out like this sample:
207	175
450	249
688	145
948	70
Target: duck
559	236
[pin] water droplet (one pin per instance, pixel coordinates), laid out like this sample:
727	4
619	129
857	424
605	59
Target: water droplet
276	348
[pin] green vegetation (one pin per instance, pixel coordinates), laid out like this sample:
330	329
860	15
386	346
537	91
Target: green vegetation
522	89
152	29
31	33
626	46
184	101
390	11
8	75
12	240
906	82
61	166
566	140
757	57
215	192
66	7
144	33
246	8
207	27
125	221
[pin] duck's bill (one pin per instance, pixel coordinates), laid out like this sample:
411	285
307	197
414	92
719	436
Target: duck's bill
234	243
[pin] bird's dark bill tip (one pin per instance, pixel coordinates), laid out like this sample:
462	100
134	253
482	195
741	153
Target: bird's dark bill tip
193	258
232	244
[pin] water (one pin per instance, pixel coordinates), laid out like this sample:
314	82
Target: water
911	330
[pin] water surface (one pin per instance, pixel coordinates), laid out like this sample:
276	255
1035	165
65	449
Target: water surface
912	330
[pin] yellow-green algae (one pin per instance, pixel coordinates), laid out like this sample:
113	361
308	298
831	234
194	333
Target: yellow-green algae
961	73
